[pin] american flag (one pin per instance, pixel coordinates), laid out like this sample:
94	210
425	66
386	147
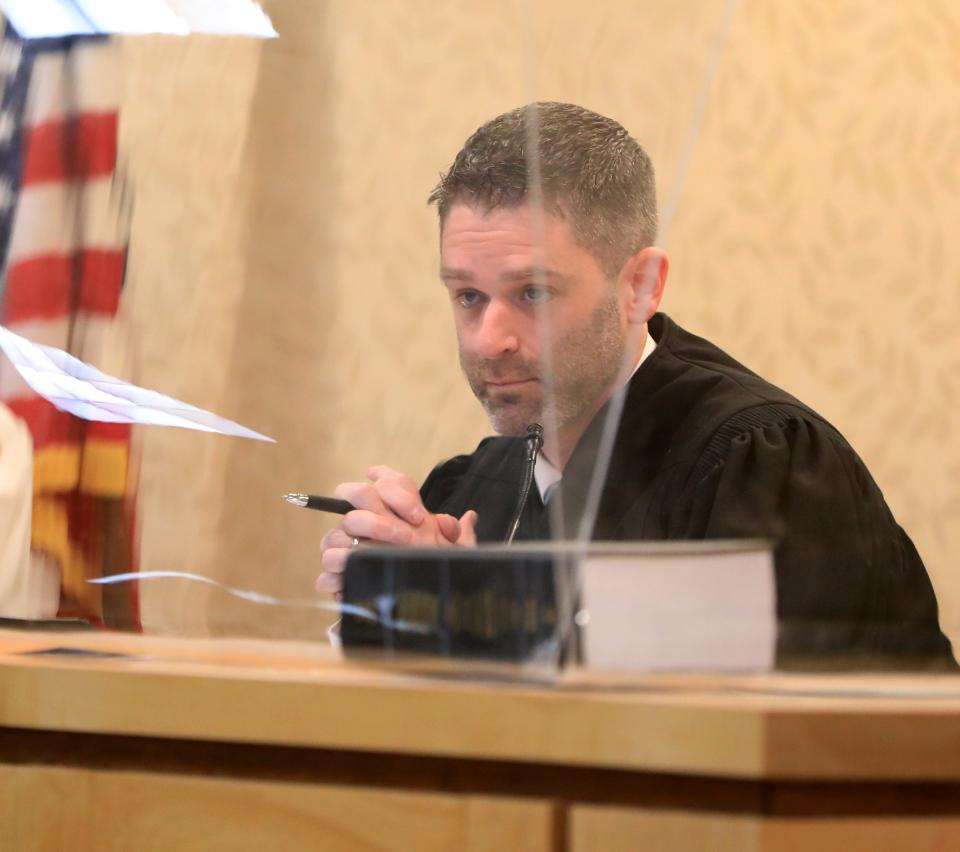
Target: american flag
63	239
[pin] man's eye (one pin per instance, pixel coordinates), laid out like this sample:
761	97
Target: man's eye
535	295
468	298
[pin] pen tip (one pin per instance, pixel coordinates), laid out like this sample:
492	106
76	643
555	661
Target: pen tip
296	499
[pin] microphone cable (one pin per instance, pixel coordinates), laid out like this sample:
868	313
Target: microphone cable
534	441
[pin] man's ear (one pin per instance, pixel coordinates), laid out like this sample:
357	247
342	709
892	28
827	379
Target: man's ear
643	278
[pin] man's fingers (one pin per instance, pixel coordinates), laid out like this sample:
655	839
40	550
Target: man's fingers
336	538
391	492
361	494
449	527
388	511
402	500
380	473
468	529
329	583
335	559
376	527
399	492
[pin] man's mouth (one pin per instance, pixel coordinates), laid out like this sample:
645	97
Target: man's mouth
508	384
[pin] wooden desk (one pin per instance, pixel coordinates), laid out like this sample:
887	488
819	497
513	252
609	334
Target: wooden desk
253	745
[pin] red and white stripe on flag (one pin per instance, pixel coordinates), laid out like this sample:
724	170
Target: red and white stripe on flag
64	274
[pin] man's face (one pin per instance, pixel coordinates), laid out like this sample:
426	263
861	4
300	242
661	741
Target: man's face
541	330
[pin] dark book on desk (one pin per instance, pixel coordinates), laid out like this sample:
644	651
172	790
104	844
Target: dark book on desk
499	605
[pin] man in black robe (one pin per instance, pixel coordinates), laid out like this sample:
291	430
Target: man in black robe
555	302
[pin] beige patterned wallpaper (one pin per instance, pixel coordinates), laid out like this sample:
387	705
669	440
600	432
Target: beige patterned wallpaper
283	259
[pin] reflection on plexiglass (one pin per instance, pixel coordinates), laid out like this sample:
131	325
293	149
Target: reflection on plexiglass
280	279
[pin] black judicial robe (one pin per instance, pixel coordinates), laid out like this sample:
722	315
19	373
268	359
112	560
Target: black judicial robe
707	449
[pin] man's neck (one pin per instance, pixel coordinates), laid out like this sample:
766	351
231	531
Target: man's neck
558	448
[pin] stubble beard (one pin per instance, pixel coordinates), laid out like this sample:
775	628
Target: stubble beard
585	363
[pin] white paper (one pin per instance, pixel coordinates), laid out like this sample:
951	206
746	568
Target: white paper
133	17
56	18
224	17
45	18
681	608
76	387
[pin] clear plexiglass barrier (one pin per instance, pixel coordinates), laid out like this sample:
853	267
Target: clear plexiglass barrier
623	339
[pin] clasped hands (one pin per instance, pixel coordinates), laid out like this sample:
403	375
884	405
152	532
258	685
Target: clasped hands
388	511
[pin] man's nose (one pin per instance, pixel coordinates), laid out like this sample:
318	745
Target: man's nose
498	332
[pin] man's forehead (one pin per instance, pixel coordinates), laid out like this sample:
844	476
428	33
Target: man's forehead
510	244
520	234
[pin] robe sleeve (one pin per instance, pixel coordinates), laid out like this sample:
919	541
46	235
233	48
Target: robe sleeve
441	483
851	587
487	481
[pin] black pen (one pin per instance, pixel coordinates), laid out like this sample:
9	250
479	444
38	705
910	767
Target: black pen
321	504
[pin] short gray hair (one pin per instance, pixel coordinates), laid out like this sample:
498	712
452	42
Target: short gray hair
590	167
